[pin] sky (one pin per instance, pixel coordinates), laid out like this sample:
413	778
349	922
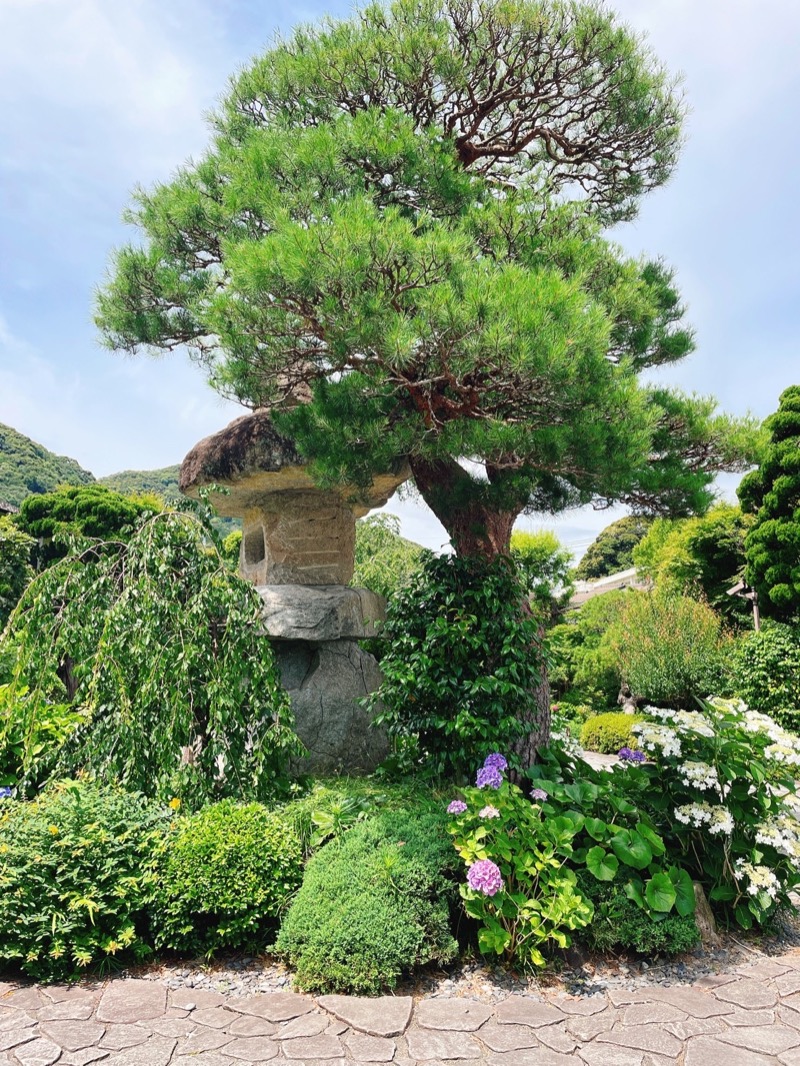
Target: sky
97	97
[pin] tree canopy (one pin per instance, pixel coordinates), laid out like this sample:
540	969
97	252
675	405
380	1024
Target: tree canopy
700	556
772	493
396	239
612	548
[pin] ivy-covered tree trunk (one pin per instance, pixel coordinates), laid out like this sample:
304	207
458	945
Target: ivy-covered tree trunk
480	526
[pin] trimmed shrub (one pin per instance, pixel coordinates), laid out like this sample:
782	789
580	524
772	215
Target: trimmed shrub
619	923
224	876
374	903
75	878
607	733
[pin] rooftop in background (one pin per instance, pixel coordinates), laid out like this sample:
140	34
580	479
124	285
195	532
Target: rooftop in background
587	590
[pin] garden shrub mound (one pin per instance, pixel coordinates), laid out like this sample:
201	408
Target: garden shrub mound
75	878
607	733
374	903
224	877
618	923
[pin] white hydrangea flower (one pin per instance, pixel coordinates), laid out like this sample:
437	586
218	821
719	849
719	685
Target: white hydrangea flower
786	753
700	775
721	822
695	814
783	834
759	878
654	736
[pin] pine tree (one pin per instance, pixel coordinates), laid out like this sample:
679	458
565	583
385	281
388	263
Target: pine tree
397	241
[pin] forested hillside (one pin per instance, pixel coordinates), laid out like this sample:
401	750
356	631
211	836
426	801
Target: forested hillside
27	467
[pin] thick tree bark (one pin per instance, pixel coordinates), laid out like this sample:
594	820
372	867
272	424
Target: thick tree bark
475	528
480	529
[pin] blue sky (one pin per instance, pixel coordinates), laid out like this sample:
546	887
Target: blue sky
96	96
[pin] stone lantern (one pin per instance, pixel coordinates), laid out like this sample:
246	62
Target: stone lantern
298	545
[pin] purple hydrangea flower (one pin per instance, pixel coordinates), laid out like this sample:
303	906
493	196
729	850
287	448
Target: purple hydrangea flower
484	876
538	794
498	761
629	755
5	792
456	807
489	777
489	812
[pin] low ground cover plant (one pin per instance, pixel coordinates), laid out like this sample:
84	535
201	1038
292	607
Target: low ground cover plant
224	876
374	903
619	924
76	878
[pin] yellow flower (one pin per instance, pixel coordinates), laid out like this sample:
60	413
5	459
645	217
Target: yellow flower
175	803
53	829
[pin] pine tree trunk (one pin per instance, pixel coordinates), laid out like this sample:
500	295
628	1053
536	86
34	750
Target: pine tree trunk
479	530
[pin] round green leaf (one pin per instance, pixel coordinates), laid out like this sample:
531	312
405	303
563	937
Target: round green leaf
596	828
632	849
660	893
684	891
603	865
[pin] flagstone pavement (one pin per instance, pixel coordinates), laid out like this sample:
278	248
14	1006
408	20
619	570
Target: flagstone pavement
750	1017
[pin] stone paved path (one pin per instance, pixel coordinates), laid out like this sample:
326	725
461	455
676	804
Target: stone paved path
750	1017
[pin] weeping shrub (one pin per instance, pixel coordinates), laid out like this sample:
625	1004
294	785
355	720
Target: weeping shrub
158	648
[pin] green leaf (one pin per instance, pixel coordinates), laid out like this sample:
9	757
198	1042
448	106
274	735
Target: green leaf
652	838
596	828
660	893
684	891
632	849
603	865
722	893
743	916
582	792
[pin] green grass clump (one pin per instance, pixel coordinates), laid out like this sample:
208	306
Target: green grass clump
225	874
374	903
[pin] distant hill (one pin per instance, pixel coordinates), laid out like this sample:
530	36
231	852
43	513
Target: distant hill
27	467
163	482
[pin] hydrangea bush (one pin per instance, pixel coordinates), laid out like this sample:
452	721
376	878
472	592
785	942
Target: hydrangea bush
525	849
721	786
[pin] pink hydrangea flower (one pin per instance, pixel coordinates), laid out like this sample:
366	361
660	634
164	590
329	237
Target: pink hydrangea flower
484	876
456	807
538	794
489	812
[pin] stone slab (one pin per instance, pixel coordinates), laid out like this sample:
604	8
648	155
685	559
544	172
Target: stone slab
381	1016
273	1006
426	1044
525	1010
708	1051
320	612
365	1048
132	1001
461	1015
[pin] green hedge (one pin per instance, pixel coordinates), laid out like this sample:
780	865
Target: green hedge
224	876
374	903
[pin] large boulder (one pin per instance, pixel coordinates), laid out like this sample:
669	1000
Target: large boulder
326	683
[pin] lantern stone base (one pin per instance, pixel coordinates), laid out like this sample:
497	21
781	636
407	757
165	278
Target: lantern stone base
326	683
314	631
